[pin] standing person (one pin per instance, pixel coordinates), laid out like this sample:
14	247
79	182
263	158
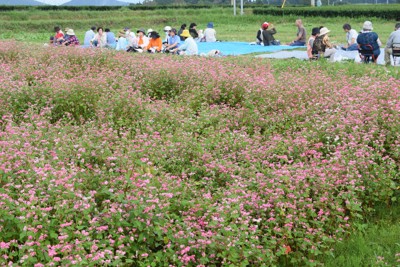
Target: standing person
268	35
183	27
72	40
393	41
210	35
351	38
173	41
100	39
368	37
111	42
189	47
300	36
314	34
155	43
322	46
89	35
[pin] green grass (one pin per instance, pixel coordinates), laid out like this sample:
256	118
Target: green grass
376	244
37	26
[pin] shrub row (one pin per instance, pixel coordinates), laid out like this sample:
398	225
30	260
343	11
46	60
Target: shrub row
389	12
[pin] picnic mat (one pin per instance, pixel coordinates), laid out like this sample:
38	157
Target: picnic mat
340	55
239	48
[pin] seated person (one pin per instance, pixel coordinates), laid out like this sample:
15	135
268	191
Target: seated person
72	39
122	43
192	30
183	27
268	34
210	35
259	36
189	47
100	39
155	43
393	42
368	37
173	41
141	42
322	45
111	41
351	38
59	36
89	35
310	43
300	36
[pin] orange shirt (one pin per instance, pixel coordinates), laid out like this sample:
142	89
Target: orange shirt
155	43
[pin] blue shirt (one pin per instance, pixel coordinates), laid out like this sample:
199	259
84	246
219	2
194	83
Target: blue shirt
89	35
111	38
370	38
173	40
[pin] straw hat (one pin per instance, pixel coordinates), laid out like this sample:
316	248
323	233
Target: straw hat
323	30
70	32
185	33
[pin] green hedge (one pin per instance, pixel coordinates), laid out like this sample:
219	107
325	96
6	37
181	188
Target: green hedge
389	12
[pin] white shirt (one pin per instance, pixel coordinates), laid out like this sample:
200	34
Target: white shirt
350	35
210	35
189	46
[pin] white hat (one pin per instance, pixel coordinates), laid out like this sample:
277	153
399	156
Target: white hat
149	31
323	30
367	25
167	28
70	32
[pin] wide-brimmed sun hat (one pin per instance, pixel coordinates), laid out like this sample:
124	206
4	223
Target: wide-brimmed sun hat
141	30
167	28
323	30
149	31
70	32
367	25
185	33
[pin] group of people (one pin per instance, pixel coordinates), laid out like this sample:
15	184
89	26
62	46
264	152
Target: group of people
318	45
150	41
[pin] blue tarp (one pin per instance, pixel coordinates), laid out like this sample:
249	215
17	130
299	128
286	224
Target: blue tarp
240	48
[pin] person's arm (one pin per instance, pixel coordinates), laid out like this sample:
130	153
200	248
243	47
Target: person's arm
259	36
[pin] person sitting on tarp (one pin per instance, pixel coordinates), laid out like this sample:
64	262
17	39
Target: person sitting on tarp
100	39
173	41
189	47
300	36
322	46
268	34
111	41
210	35
72	39
368	37
259	36
155	43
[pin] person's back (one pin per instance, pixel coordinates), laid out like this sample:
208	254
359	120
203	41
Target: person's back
111	42
210	33
368	37
392	43
89	35
268	36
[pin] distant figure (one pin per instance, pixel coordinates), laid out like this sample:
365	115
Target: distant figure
351	38
100	39
183	27
72	40
192	30
166	31
142	41
393	42
122	43
322	45
210	35
300	36
155	43
310	43
111	42
59	36
173	41
368	37
259	36
189	47
268	35
89	35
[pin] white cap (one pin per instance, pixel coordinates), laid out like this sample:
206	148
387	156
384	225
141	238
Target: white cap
167	28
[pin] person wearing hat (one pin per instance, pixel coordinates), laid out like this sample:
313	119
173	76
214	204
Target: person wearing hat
310	44
173	41
166	31
72	39
393	42
300	36
130	36
268	34
149	31
142	41
259	36
322	45
189	47
369	38
155	43
210	35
